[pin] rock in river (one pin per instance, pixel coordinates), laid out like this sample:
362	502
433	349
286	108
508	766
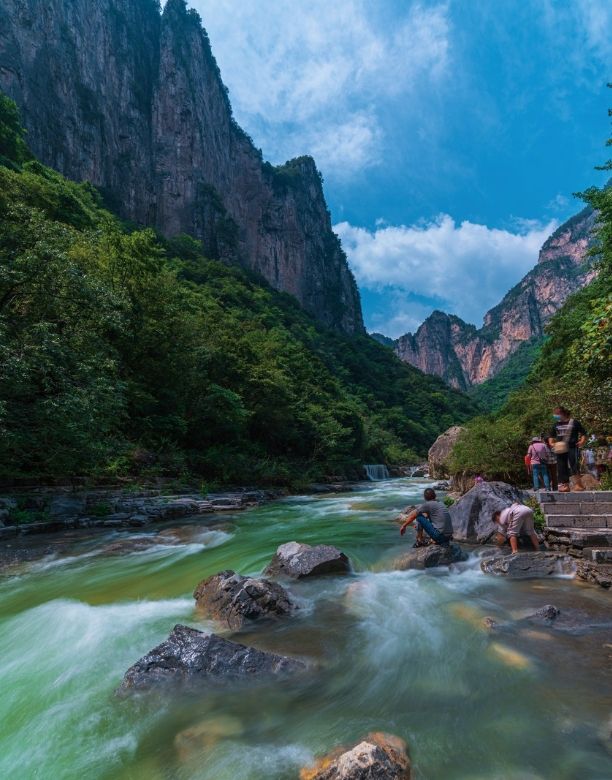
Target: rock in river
235	599
301	560
528	565
376	757
189	657
471	514
430	556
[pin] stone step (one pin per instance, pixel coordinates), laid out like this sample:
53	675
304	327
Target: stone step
582	496
580	507
579	521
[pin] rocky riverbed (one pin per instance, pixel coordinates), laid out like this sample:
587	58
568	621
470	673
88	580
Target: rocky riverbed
441	672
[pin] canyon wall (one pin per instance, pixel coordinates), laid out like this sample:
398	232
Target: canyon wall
131	99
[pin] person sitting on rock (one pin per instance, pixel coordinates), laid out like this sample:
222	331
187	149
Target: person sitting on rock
515	520
433	519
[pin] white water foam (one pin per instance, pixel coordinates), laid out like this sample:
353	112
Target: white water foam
60	663
206	540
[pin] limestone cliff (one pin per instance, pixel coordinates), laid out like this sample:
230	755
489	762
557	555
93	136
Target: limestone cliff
462	355
131	98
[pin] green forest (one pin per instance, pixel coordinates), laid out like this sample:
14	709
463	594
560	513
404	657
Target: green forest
127	354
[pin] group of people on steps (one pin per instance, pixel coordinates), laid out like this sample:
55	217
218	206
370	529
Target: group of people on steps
561	451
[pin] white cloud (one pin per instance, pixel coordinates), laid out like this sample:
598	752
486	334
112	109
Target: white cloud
401	315
470	266
313	77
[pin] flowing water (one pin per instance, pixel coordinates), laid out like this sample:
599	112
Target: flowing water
402	652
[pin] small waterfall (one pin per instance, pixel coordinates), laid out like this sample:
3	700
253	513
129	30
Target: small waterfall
376	472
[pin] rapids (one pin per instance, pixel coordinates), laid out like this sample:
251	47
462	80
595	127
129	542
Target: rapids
403	652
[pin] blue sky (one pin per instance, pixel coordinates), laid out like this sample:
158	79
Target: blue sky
450	135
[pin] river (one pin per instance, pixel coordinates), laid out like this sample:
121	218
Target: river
402	652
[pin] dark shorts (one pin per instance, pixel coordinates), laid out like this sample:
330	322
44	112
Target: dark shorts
431	530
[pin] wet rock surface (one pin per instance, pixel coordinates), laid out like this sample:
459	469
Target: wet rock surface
376	757
545	614
471	514
595	573
302	560
189	658
528	565
235	599
430	556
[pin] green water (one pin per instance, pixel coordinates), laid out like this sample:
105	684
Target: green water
394	651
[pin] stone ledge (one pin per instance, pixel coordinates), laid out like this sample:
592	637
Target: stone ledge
582	507
597	496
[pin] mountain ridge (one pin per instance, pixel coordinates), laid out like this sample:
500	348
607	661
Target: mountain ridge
464	355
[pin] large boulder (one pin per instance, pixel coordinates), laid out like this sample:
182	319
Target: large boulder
520	566
440	451
376	757
430	556
234	599
301	560
188	658
471	514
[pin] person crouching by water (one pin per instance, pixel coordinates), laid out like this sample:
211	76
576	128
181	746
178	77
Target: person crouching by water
515	520
432	519
539	455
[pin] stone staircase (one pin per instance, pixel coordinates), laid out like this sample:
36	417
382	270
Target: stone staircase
580	524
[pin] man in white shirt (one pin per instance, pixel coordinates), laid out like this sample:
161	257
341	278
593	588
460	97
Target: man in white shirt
515	520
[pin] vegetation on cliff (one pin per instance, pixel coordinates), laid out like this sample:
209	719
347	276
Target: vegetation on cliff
122	352
493	393
574	369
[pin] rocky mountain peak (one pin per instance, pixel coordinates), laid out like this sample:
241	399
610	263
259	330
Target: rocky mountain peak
463	355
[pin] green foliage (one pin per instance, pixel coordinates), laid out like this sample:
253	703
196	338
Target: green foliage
101	509
125	354
539	521
24	516
448	500
13	149
492	394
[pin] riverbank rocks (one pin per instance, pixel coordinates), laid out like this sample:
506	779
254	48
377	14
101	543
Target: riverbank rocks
301	560
471	514
376	757
235	599
596	574
545	614
520	566
430	556
440	451
188	658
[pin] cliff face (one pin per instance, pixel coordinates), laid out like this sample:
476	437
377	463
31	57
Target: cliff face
131	99
462	355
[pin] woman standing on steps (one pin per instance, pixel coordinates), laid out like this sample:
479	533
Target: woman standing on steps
566	436
539	454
